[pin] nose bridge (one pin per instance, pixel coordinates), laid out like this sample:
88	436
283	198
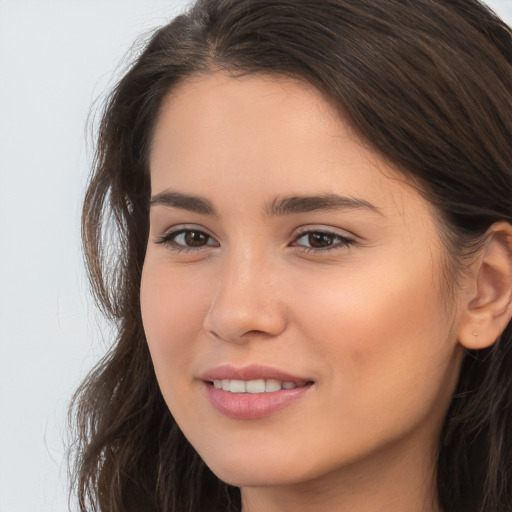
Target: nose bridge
246	296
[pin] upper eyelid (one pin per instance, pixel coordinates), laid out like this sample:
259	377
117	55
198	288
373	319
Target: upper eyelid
304	230
325	232
296	231
179	228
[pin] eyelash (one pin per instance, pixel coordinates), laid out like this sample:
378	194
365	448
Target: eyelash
169	240
338	241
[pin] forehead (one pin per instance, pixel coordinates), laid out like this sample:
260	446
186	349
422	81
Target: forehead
264	136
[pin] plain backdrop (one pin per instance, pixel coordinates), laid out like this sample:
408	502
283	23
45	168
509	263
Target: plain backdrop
57	59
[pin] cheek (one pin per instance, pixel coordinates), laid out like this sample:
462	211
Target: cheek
172	313
386	334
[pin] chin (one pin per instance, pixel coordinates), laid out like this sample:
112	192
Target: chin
259	468
252	477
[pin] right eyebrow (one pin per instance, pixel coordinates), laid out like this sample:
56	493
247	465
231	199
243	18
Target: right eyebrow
196	204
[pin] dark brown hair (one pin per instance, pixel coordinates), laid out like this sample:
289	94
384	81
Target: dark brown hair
427	84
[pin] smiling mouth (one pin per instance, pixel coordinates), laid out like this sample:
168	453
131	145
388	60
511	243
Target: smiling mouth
256	398
255	386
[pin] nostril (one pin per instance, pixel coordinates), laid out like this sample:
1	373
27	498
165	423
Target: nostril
254	332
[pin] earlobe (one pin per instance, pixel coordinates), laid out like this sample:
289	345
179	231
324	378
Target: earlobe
489	306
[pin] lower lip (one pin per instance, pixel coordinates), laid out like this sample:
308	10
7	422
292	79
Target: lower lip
249	406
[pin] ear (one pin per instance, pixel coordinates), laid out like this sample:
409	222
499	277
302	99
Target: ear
488	304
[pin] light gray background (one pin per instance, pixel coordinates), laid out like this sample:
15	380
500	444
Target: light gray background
56	58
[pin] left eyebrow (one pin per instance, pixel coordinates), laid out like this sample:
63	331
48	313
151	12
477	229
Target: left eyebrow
325	202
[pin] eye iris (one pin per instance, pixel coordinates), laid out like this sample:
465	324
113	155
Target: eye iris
195	238
319	240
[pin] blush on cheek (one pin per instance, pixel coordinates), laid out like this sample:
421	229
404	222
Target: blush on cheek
394	323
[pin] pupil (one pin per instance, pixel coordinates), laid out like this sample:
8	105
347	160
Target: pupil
195	238
320	239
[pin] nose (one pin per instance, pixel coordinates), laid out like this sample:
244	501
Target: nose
246	303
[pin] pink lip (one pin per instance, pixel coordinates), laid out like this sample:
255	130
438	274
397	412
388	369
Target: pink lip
248	406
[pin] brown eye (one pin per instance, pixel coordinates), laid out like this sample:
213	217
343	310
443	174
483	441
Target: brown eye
322	241
187	240
195	238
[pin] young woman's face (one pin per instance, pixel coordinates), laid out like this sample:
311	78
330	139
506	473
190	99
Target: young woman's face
290	267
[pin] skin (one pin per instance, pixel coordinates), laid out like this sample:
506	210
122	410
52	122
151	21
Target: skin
369	321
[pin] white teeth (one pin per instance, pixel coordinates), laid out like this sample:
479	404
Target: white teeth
237	386
272	385
252	386
255	386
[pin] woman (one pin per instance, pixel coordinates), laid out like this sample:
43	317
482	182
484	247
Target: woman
311	206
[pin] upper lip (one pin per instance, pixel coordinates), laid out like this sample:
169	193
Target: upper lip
252	372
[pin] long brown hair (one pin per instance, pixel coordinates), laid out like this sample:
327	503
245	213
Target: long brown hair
427	84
